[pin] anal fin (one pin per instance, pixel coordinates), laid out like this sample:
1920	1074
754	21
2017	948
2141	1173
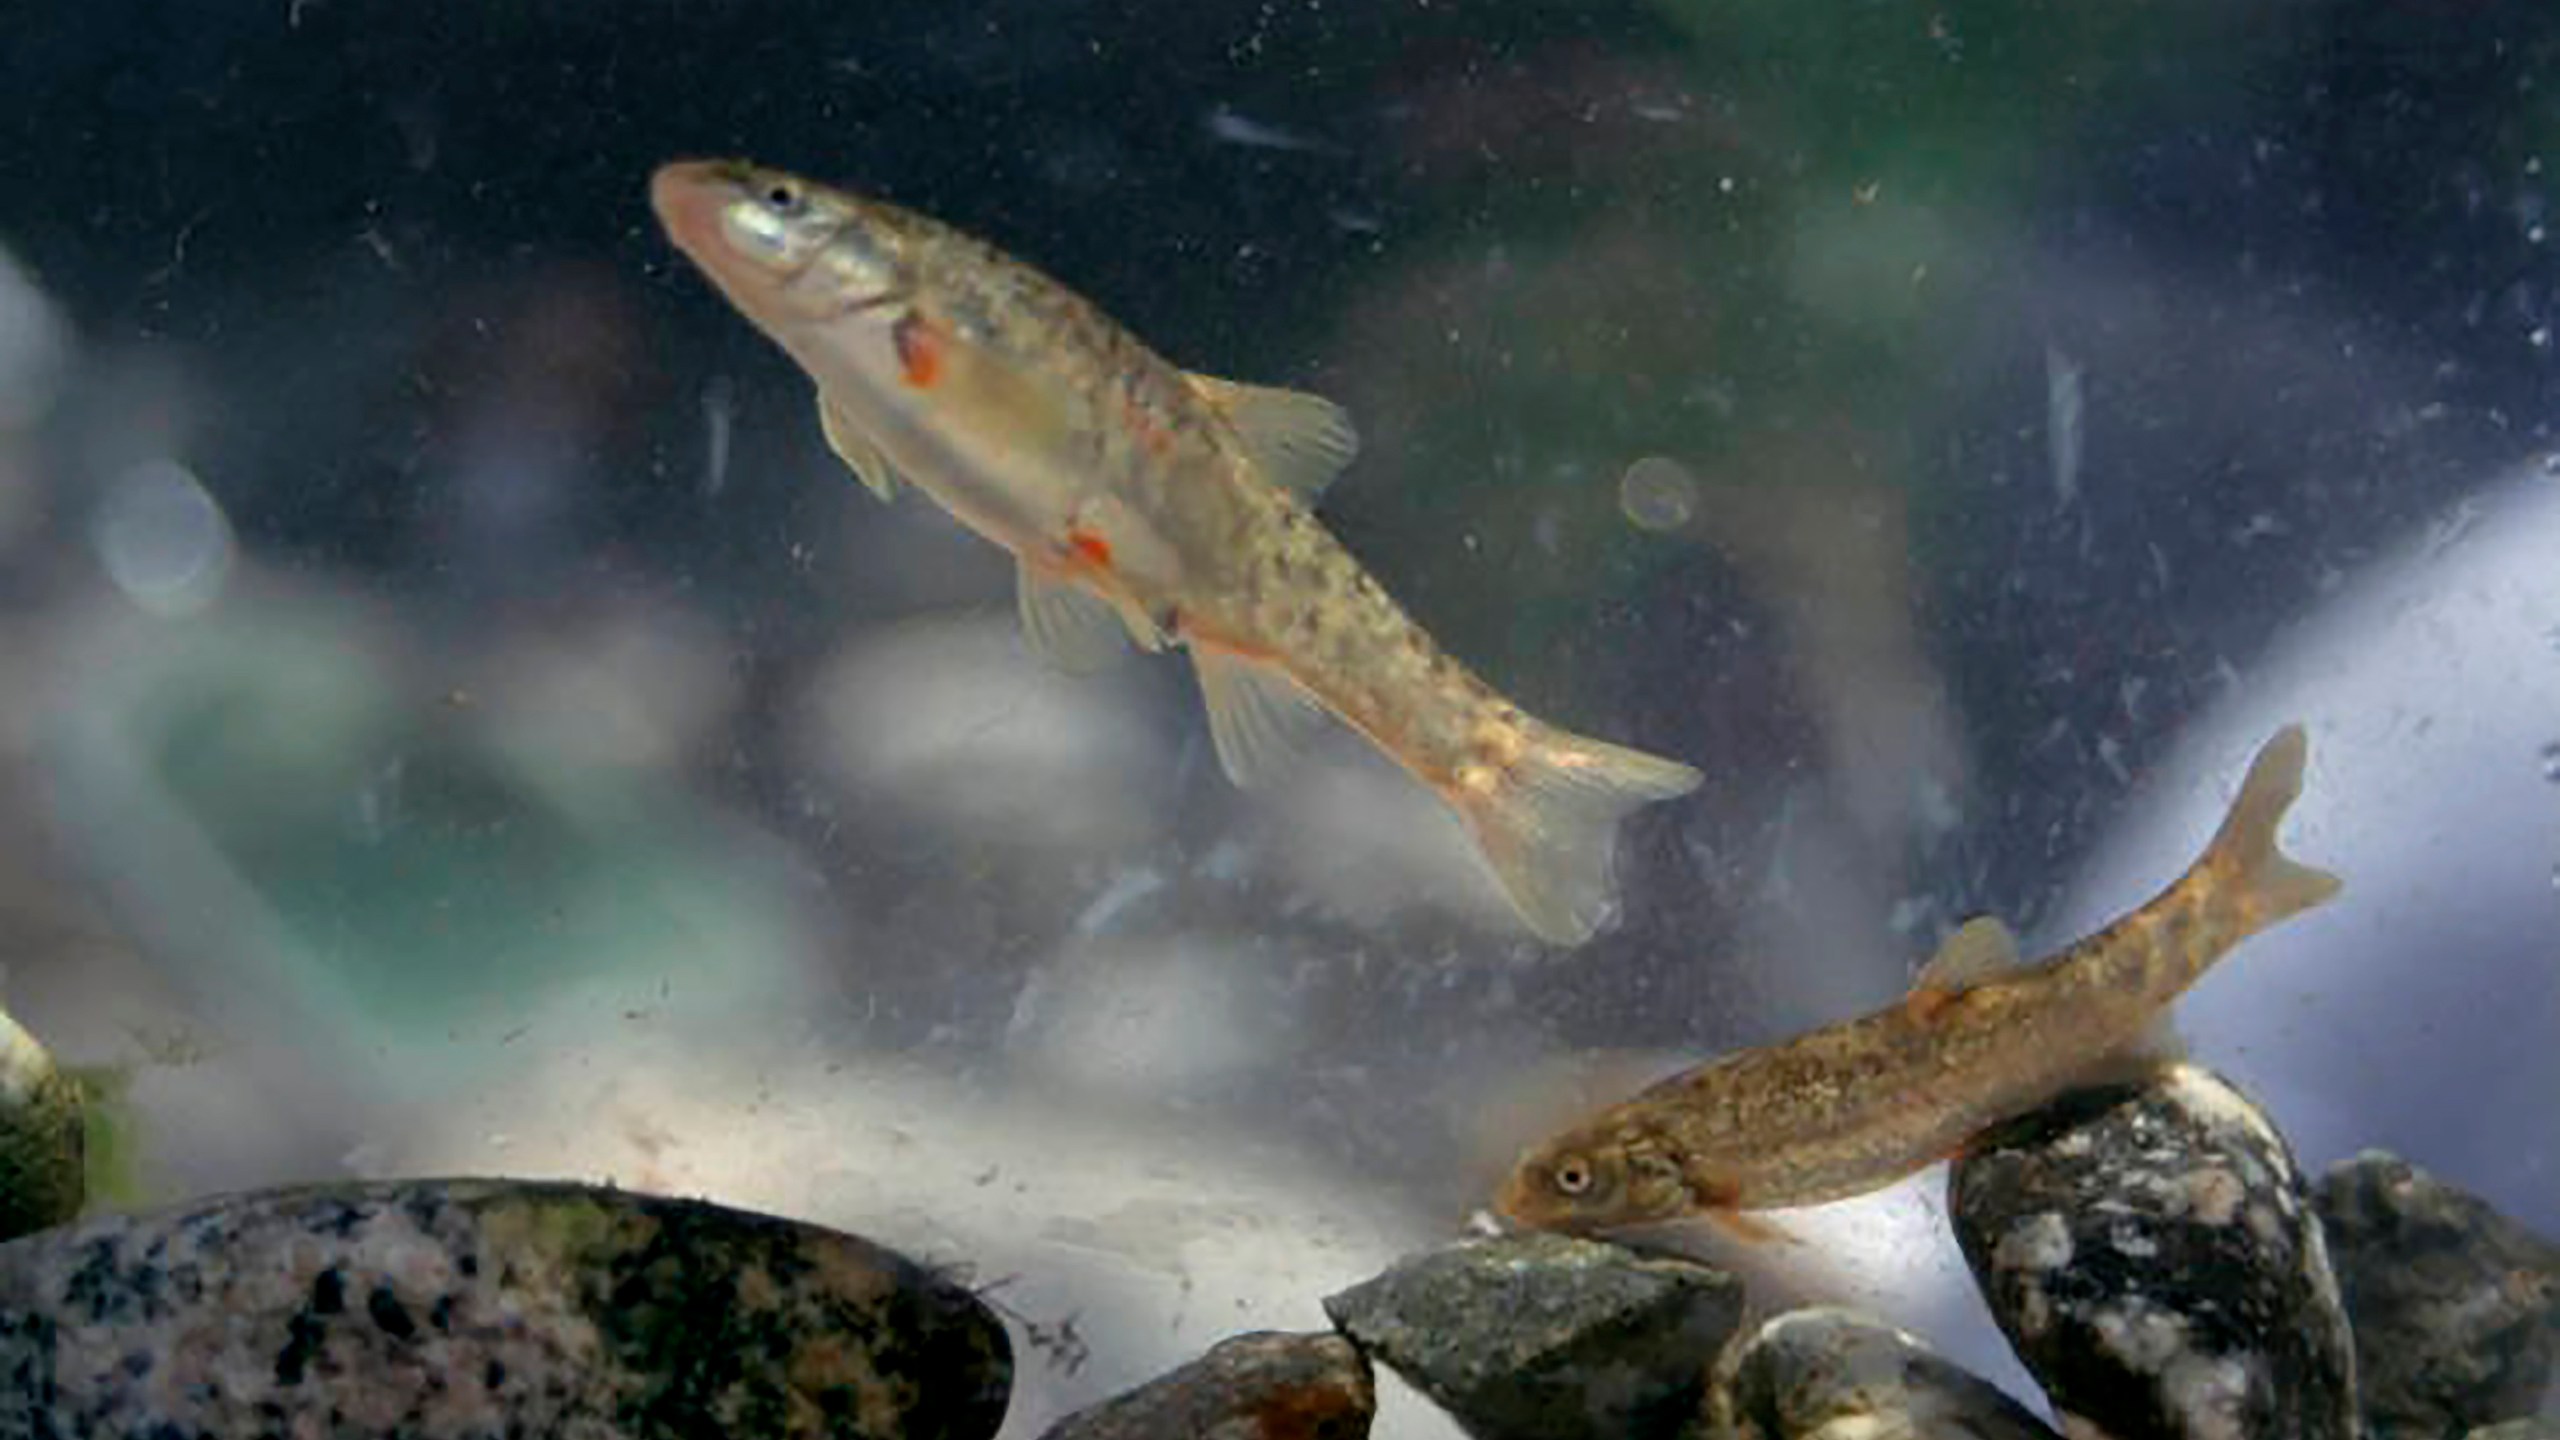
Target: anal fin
1259	718
1067	625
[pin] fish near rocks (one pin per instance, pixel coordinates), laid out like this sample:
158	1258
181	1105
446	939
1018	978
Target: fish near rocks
459	1309
1143	500
1981	1038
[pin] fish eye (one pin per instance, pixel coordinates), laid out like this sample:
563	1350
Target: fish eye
783	198
1573	1176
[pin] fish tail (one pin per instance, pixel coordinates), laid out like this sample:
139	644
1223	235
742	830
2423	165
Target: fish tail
1547	823
2259	882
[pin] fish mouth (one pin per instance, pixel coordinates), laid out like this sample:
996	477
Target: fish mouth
688	195
1514	1203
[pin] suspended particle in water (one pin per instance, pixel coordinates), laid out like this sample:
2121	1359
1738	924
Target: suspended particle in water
2551	762
1658	494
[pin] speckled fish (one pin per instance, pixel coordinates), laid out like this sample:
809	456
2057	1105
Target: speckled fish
1138	497
1979	1040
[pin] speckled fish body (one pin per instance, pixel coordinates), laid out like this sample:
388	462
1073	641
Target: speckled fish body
1979	1040
461	1309
1139	498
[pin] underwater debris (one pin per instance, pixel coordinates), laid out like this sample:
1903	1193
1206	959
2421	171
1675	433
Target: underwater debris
2152	1257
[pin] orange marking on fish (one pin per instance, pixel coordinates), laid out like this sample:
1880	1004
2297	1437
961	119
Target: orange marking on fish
1090	548
920	351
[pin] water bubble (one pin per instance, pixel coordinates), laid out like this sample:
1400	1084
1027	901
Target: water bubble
163	540
1658	494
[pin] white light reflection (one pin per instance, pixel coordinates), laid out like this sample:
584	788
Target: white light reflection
2415	1011
163	540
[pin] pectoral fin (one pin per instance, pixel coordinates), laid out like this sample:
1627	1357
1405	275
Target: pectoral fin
856	451
1259	718
1065	624
1751	1229
1981	949
1298	441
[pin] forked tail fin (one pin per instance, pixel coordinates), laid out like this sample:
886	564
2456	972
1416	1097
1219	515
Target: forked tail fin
1548	823
2261	883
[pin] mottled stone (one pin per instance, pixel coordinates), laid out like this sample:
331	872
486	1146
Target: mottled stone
1547	1336
42	1137
2456	1308
1263	1386
1825	1374
2151	1256
430	1309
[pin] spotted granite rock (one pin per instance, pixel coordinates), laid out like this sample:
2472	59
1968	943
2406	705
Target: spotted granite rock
466	1308
2456	1308
42	1137
1547	1336
1826	1374
2152	1257
1263	1386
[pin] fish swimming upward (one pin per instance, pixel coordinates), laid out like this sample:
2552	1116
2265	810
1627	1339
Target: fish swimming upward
1137	497
1979	1040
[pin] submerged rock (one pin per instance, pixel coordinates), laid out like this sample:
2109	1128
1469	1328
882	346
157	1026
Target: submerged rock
2538	1428
42	1137
1547	1336
1263	1386
1825	1374
428	1309
2456	1308
2152	1258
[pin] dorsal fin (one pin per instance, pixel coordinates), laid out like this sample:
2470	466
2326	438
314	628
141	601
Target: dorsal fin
1981	949
1298	441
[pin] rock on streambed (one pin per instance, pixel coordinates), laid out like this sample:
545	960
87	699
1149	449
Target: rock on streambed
430	1309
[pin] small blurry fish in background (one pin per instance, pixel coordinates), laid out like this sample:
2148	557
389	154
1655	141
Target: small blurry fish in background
534	385
1137	497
